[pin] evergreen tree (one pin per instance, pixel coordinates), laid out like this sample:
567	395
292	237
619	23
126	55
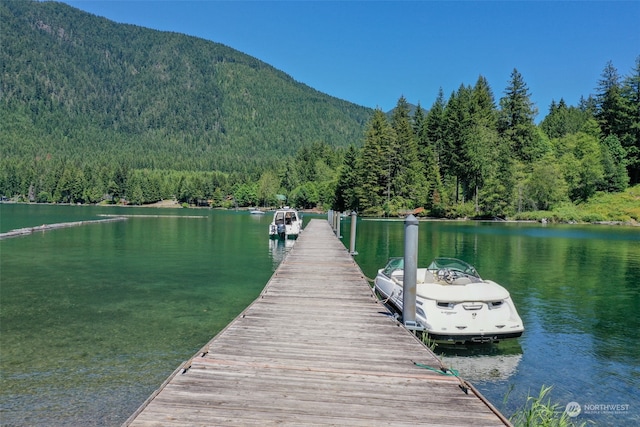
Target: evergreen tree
612	110
631	141
408	183
305	162
374	164
435	128
120	181
456	123
418	119
555	123
516	124
134	192
498	195
563	120
345	196
481	139
426	153
289	178
614	165
588	105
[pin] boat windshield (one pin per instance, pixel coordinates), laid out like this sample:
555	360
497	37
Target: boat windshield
279	217
454	265
393	265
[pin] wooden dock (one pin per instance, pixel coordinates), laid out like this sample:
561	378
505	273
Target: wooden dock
315	349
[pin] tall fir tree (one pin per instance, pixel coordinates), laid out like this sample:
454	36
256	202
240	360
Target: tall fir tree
346	189
516	124
481	139
434	127
374	164
427	155
407	179
457	122
611	106
631	141
554	124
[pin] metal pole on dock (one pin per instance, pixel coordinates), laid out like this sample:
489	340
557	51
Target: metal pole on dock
331	218
352	241
410	272
336	224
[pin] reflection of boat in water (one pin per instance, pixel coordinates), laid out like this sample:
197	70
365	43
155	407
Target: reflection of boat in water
453	303
475	363
278	249
287	223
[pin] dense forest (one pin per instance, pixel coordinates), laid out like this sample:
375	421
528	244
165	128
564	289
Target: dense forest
470	157
99	112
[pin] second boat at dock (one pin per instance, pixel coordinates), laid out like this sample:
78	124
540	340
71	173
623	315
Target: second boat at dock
287	223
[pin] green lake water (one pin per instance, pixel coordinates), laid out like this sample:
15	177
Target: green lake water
94	318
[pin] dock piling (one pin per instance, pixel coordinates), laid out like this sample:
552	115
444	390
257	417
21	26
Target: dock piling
410	273
352	240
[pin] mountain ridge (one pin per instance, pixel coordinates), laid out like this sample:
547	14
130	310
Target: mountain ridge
88	86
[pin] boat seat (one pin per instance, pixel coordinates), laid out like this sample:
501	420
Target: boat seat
429	277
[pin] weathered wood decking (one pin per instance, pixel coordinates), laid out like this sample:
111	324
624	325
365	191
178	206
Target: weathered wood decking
316	348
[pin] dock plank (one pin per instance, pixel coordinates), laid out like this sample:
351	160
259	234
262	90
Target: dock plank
316	348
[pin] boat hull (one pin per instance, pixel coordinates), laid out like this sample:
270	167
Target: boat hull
481	312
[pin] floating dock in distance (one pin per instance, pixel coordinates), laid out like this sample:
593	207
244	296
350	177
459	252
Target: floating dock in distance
47	227
315	348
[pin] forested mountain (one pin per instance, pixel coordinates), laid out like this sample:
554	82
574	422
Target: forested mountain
82	88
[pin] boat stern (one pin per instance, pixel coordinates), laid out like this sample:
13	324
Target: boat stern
473	321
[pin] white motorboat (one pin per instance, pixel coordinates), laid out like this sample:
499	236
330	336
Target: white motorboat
287	223
453	303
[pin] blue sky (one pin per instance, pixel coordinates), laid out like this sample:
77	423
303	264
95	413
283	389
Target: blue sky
372	52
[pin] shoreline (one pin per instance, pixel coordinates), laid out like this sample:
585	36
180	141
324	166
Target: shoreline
168	204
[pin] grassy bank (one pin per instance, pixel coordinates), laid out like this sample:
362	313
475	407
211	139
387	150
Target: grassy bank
619	208
540	411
